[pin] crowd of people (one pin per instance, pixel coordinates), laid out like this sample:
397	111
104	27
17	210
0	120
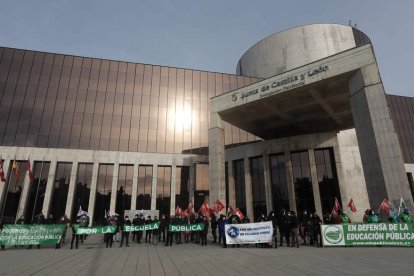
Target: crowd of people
288	227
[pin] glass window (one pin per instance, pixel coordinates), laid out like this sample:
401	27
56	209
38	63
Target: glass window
278	179
240	185
103	192
303	182
144	187
201	192
37	190
258	186
181	186
124	191
14	188
82	189
60	189
327	178
163	189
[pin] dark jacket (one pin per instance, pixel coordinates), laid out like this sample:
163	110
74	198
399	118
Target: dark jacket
221	226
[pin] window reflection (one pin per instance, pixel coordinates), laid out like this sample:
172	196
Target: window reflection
103	192
303	182
144	187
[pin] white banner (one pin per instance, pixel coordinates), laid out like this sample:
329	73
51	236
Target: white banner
259	232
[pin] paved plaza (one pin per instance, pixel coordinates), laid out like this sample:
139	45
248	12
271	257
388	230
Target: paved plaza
92	258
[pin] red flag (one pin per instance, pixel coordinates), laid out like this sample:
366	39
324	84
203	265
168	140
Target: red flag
2	176
185	213
239	213
229	209
211	212
16	169
337	206
351	206
29	170
219	206
386	206
204	208
334	215
178	211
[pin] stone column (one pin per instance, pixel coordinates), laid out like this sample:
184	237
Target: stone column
290	182
71	191
114	190
216	168
248	188
26	189
134	188
267	183
92	195
154	187
381	154
315	182
173	189
49	188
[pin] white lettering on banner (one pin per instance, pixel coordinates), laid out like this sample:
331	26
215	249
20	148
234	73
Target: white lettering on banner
260	232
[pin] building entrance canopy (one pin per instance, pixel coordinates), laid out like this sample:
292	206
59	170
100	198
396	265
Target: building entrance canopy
309	99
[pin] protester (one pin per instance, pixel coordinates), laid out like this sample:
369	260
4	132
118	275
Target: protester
315	230
405	217
262	218
148	233
373	217
156	232
163	227
178	221
294	228
135	223
284	228
304	224
109	237
273	218
38	220
75	237
170	234
203	233
125	234
20	220
221	226
343	217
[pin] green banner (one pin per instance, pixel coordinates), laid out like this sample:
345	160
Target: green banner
138	228
22	234
374	234
95	230
186	227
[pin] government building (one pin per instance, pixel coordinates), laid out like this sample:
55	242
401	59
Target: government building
304	121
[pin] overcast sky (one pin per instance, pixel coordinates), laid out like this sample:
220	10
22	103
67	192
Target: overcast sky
207	35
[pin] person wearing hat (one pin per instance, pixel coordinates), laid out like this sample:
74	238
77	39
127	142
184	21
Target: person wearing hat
405	217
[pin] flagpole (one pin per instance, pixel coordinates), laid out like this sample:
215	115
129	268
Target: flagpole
37	189
5	197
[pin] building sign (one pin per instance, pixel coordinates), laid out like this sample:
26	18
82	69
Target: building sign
23	234
384	234
279	85
260	232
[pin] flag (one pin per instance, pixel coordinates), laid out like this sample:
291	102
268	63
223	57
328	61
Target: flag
205	208
229	210
239	213
2	176
337	206
29	170
185	213
16	169
218	206
402	204
178	211
385	206
334	215
80	212
211	212
351	206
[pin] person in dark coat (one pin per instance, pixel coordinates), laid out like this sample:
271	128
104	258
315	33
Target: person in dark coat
163	227
178	221
140	221
221	226
294	229
316	229
38	220
135	223
124	234
148	233
273	218
110	236
75	237
214	227
170	234
284	228
156	233
203	233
